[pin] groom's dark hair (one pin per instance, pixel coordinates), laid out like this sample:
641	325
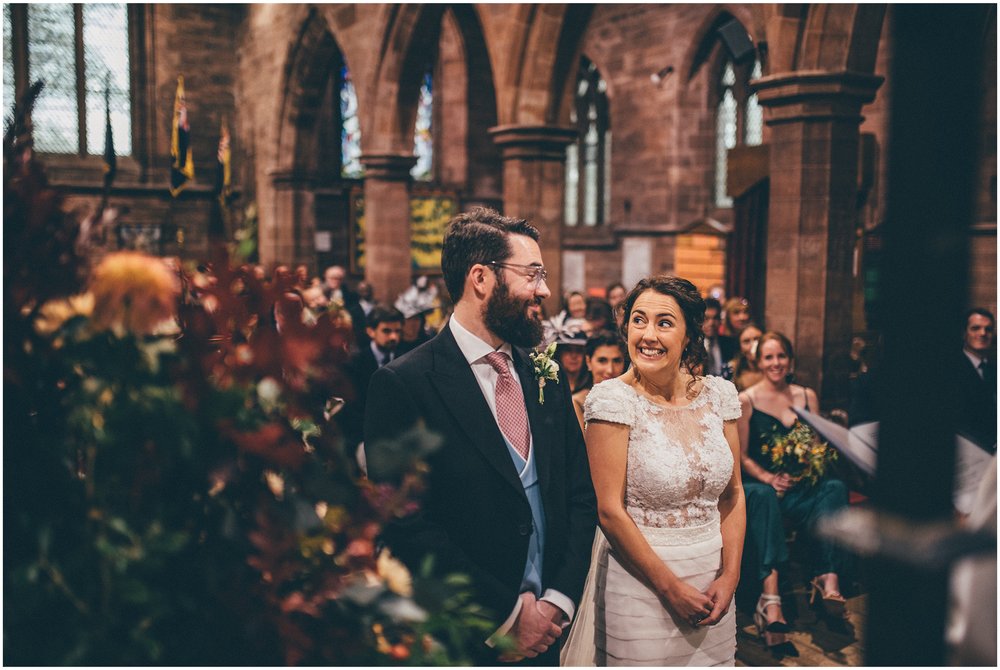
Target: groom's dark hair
477	236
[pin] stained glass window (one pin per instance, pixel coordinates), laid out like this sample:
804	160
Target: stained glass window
53	31
588	160
423	139
350	128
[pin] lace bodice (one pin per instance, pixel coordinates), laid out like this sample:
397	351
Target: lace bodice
678	459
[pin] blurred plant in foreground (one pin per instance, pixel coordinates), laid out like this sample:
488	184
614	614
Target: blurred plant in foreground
175	492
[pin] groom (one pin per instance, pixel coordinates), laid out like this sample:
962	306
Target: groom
509	499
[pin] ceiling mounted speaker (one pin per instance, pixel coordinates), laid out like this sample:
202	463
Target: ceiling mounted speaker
737	41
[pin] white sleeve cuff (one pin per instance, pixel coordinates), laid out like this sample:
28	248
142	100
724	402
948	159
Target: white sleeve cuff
561	601
508	624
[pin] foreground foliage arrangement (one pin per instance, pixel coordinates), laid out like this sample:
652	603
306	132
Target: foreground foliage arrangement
175	492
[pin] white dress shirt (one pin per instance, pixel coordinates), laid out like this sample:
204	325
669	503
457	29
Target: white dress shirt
475	351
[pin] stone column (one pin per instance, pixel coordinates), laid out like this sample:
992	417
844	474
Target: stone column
534	177
814	119
293	235
387	223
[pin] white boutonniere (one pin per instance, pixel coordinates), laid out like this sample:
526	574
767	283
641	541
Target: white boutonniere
545	368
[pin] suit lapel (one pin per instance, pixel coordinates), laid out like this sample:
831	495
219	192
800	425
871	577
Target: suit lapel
541	429
460	393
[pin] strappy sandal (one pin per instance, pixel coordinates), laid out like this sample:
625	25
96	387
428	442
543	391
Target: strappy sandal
773	632
833	603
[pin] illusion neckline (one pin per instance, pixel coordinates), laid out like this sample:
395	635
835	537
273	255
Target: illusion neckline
696	402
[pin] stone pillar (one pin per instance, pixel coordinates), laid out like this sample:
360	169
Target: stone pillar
387	223
814	119
293	235
534	177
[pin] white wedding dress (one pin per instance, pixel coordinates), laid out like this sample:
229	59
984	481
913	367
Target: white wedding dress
679	463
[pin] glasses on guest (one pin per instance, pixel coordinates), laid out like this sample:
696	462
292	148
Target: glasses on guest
535	273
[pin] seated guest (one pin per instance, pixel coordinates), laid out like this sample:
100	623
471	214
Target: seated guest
978	381
720	348
774	497
598	316
385	326
569	354
736	316
575	305
605	358
744	366
615	293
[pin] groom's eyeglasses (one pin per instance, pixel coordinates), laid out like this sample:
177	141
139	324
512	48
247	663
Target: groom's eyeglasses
535	273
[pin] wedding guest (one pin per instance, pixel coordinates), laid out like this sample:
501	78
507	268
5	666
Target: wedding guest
575	305
570	348
598	316
977	388
772	498
720	348
736	316
605	359
744	365
615	293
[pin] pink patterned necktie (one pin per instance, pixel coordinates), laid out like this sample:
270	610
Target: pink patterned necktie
511	415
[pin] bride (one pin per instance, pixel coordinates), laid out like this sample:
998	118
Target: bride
664	457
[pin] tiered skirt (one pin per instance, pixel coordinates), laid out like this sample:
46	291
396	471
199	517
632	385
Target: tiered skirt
631	626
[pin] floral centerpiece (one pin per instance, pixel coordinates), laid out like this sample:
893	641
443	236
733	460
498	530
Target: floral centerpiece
799	453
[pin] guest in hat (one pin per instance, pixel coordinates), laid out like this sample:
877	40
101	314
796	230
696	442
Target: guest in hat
415	303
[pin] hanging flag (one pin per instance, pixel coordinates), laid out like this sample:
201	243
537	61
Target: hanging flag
223	175
110	160
182	166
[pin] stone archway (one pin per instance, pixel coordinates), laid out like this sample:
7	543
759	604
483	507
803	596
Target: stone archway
290	230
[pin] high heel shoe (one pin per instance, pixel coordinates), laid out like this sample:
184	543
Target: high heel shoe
773	632
833	603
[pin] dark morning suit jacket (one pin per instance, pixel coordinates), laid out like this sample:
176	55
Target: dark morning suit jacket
728	348
359	369
977	413
475	517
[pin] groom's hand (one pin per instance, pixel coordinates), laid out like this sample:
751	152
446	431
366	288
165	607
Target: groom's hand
535	631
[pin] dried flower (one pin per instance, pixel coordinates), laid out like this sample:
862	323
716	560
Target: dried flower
395	574
133	293
55	313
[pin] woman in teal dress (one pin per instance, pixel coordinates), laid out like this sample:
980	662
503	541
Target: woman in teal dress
772	498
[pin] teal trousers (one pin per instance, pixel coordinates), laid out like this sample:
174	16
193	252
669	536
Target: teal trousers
764	548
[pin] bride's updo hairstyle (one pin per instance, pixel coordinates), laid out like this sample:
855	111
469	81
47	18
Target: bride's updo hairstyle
691	304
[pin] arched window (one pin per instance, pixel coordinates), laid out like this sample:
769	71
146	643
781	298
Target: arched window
76	50
423	138
350	128
588	160
736	109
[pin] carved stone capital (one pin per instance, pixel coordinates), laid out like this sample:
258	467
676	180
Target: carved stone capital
533	142
388	167
816	95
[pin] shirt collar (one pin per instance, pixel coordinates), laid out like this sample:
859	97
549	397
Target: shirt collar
472	346
973	358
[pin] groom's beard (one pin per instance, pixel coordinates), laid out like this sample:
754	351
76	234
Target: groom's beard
508	318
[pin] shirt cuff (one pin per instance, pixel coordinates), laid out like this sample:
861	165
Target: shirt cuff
508	624
561	601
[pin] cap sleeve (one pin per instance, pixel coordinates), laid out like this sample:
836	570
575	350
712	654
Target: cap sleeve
726	398
609	401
